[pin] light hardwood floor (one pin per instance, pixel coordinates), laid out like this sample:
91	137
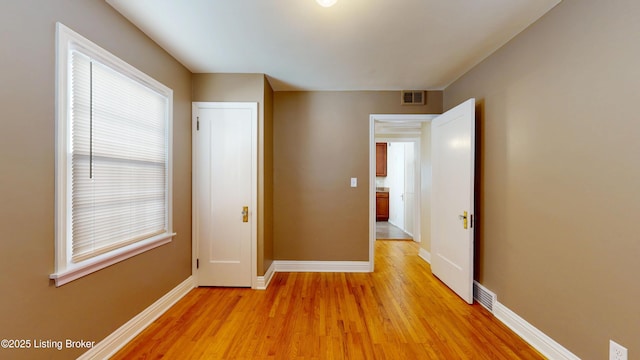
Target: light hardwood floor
398	312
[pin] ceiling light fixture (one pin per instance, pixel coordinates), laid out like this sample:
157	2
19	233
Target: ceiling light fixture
327	3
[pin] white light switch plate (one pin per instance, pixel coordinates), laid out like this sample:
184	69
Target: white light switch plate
354	182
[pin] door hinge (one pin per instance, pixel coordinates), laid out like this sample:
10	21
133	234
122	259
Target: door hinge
197	263
471	220
198	123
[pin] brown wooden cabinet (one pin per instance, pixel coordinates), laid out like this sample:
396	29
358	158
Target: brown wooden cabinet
382	206
381	159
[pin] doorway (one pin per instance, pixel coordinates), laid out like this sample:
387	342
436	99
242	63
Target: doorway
400	129
452	140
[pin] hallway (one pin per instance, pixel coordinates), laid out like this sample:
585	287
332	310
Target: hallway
387	231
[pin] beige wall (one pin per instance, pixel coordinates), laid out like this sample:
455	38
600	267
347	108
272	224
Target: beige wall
251	88
560	170
267	247
321	140
90	308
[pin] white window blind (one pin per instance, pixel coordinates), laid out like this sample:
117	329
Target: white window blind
118	159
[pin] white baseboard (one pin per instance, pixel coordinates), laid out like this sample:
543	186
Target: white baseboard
119	338
536	338
321	266
263	281
425	255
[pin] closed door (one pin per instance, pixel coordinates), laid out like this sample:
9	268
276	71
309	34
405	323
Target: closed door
225	183
452	236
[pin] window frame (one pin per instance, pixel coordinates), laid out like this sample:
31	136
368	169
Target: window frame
65	270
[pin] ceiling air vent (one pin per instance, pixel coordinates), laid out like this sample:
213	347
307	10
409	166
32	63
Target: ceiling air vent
412	97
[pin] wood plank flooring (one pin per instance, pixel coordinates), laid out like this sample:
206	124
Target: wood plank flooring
398	312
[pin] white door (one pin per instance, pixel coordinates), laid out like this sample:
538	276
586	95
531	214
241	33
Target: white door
224	188
409	187
452	232
395	156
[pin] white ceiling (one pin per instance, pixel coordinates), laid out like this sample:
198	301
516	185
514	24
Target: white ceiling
354	45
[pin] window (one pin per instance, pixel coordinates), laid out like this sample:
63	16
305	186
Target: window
113	161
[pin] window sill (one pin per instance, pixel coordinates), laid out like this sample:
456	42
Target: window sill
76	271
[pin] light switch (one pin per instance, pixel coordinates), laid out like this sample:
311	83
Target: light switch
354	182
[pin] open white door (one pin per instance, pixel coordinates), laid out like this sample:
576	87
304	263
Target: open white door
452	231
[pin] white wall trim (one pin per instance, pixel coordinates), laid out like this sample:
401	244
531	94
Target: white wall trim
321	266
125	333
536	338
262	282
425	255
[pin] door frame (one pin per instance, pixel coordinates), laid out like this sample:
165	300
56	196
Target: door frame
373	118
253	215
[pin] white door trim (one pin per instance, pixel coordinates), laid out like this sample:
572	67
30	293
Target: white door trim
253	217
372	170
